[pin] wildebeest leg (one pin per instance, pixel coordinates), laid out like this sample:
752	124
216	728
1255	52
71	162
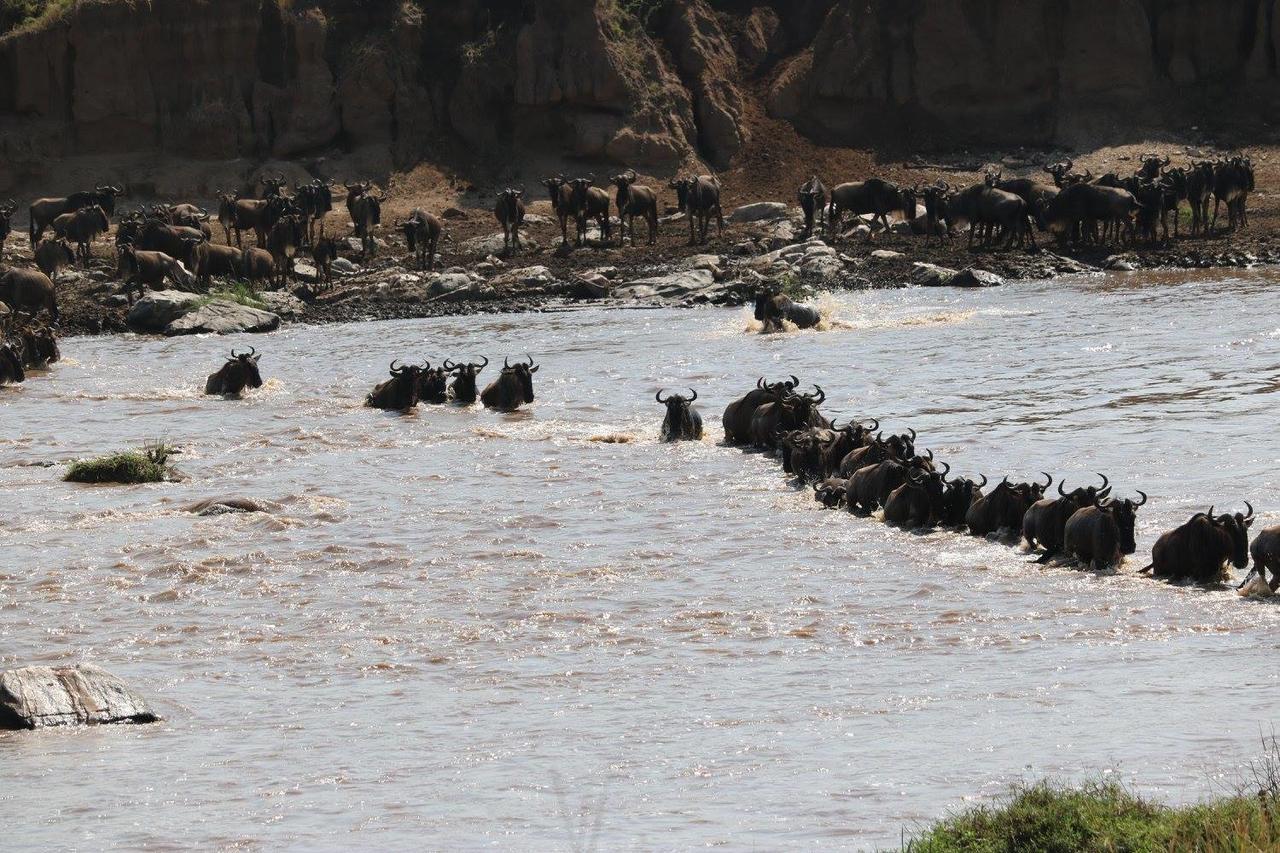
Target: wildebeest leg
1214	224
652	220
1049	554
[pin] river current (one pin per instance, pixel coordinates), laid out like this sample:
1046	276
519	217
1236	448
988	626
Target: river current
546	630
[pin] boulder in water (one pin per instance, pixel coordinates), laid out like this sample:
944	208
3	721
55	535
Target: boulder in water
931	275
222	506
970	277
36	697
154	312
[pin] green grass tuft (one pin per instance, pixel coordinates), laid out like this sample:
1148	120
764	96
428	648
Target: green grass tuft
135	466
239	291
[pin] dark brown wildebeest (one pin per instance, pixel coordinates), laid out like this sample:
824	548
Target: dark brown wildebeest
272	187
793	411
513	387
1074	211
681	422
43	211
936	198
256	266
34	341
354	192
400	392
1005	507
874	196
142	269
699	198
1199	191
422	232
590	203
227	214
635	200
773	308
991	212
1034	193
314	200
830	492
509	210
433	385
1046	519
324	253
6	216
240	372
1232	183
1101	535
961	494
900	447
11	368
561	194
28	290
812	196
286	236
738	414
1265	551
366	215
52	255
1152	167
155	236
82	228
463	388
209	259
249	214
871	485
919	502
1060	172
1200	549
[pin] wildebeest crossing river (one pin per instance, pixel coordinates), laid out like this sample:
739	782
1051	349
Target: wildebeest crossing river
543	628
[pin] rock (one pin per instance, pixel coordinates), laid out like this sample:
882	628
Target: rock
443	284
745	249
675	285
861	231
536	219
305	271
344	266
591	285
886	255
492	245
115	300
708	64
36	697
535	278
155	311
222	506
758	211
1119	262
454	213
286	305
223	317
930	275
970	277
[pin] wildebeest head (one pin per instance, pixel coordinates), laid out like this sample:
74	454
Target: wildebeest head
624	181
271	187
1060	171
1237	528
247	362
682	187
553	186
908	195
677	405
509	203
959	496
523	372
1152	164
1124	513
579	187
464	378
1085	495
105	197
804	407
433	384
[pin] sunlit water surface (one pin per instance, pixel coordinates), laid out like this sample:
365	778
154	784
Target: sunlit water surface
464	629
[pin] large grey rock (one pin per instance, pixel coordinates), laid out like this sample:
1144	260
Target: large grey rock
675	285
344	266
886	255
974	278
492	244
35	697
758	211
930	275
154	312
286	305
448	282
223	317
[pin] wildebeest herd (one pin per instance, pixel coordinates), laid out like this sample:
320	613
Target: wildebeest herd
857	467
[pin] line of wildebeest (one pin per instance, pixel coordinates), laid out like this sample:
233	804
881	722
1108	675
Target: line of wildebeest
857	467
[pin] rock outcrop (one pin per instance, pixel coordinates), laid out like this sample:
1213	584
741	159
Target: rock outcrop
36	697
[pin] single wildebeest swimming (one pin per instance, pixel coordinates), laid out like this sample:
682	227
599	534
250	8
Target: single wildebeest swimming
509	211
422	234
44	210
738	414
463	387
1005	507
53	255
513	386
433	385
1265	551
874	196
28	290
1200	549
240	372
682	421
813	201
400	392
11	367
1101	535
635	200
1046	519
772	308
699	198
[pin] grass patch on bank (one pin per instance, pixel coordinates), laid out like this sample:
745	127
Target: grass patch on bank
239	292
149	465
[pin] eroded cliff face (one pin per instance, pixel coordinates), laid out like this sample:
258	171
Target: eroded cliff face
588	79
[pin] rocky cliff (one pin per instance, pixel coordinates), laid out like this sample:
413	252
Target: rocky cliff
645	82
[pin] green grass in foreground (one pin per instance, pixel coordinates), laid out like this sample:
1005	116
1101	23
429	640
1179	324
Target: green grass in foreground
1105	816
237	292
144	466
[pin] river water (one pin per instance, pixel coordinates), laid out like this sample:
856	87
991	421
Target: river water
546	630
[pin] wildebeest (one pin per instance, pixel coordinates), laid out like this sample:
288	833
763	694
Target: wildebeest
34	342
11	367
82	227
53	255
240	372
936	197
830	492
324	252
1005	507
283	243
513	386
918	501
314	200
1232	183
590	203
6	215
1074	212
1101	535
1265	551
959	496
28	290
366	214
773	307
874	196
1045	520
635	200
871	485
272	187
792	411
738	414
991	212
812	196
562	198
1200	549
400	392
509	210
899	447
209	259
433	384
682	422
43	211
699	198
422	234
1199	191
256	265
143	269
155	236
463	387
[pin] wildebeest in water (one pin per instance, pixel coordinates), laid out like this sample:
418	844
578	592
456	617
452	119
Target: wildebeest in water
400	392
463	387
240	372
513	386
682	421
773	307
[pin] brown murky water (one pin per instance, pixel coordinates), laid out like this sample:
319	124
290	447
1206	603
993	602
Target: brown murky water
462	629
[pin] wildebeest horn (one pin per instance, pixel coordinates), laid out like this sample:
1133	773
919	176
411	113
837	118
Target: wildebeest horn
505	365
1060	491
1105	481
946	469
658	397
913	433
794	381
1144	497
984	481
449	365
929	454
1250	515
1210	513
760	383
486	363
820	396
394	370
694	395
875	424
1048	480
